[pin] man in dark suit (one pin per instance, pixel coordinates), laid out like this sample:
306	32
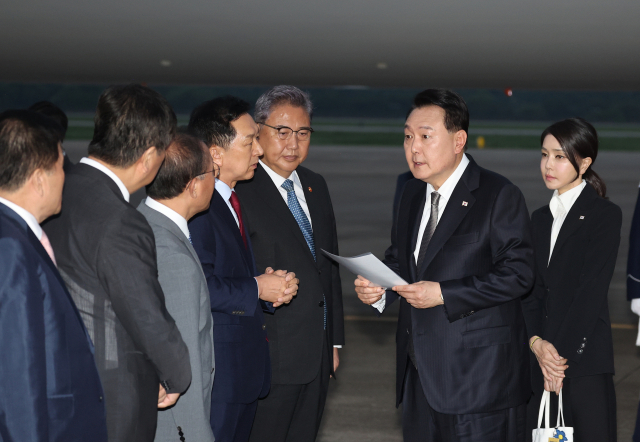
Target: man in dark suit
238	294
51	389
106	255
290	219
462	242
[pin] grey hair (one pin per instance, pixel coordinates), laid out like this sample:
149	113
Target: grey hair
282	94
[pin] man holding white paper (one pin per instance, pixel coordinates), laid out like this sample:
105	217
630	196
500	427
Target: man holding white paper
461	239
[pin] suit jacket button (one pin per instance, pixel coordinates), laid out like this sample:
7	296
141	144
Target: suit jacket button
100	398
584	339
321	304
580	351
582	345
408	332
264	327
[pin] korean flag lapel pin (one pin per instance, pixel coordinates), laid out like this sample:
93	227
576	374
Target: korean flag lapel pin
310	189
581	216
465	204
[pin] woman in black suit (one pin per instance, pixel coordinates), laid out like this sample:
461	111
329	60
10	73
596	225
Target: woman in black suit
576	239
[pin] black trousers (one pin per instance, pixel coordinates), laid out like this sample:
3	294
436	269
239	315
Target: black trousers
292	413
589	406
421	423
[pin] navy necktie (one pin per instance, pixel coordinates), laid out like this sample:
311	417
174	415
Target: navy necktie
305	227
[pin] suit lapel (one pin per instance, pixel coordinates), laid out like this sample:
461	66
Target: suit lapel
274	200
454	212
544	242
572	223
416	211
222	211
37	245
315	212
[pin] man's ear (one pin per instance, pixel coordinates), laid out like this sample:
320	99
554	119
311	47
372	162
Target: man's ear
38	182
217	153
146	160
460	139
193	187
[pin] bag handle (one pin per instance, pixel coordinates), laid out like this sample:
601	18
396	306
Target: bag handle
544	408
560	411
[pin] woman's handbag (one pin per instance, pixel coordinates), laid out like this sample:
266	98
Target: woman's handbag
558	434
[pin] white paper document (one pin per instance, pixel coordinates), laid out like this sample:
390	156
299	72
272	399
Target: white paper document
369	267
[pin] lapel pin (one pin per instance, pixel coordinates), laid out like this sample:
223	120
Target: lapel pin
582	217
464	203
310	190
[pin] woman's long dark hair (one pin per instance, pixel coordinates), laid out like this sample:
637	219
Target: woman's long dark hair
578	140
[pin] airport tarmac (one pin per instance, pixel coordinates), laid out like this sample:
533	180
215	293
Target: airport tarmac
362	183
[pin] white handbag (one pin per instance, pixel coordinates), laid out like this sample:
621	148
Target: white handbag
558	434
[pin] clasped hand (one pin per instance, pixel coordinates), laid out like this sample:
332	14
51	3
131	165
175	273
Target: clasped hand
551	363
278	287
423	294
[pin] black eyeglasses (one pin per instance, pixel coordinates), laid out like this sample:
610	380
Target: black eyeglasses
284	132
215	170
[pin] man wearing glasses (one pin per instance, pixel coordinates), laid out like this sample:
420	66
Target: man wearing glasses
237	294
290	219
183	187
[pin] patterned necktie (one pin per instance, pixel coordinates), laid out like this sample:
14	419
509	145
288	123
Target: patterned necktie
429	229
235	203
305	227
190	239
44	240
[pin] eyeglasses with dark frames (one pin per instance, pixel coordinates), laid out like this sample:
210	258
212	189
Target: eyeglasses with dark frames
284	132
215	170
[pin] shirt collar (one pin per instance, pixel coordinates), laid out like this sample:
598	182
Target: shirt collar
279	180
223	189
110	174
31	220
567	199
169	213
446	190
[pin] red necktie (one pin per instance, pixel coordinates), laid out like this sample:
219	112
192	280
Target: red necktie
235	203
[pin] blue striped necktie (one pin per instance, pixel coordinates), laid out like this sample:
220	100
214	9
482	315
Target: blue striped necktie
305	227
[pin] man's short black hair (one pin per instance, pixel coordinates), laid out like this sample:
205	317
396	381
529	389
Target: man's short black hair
211	120
52	111
28	141
185	158
456	113
129	120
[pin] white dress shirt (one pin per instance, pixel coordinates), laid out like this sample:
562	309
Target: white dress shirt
169	213
297	188
31	220
110	174
445	191
560	205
